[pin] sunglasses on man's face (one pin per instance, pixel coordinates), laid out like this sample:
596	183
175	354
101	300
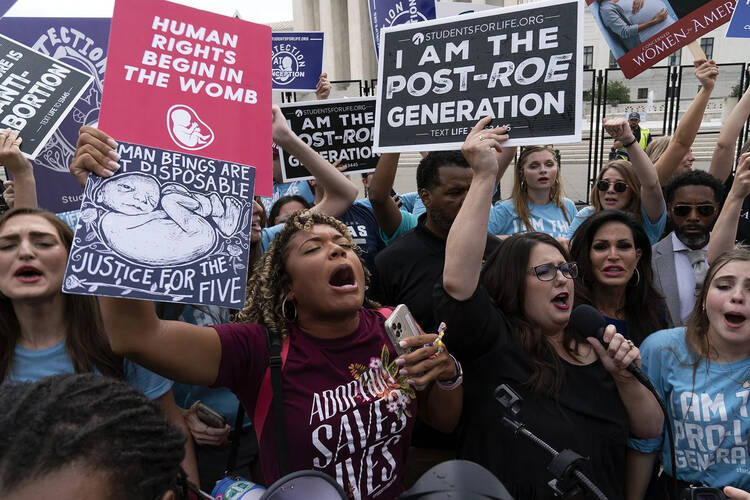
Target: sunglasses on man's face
704	210
603	185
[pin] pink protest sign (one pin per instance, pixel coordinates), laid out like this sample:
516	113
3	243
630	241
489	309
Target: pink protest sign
188	80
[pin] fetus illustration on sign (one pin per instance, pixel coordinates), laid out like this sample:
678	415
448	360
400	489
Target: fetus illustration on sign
186	128
162	225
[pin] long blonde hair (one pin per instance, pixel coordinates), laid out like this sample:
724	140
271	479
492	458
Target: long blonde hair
520	194
656	148
270	282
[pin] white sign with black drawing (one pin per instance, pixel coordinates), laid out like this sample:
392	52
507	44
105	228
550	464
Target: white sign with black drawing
168	227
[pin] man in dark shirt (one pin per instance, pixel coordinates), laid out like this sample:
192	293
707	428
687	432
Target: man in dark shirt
409	267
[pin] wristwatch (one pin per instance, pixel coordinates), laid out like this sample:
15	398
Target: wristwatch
449	385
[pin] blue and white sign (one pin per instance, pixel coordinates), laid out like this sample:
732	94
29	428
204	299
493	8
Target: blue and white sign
739	25
81	43
168	226
385	13
296	60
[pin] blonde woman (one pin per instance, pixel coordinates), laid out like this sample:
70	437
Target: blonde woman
537	202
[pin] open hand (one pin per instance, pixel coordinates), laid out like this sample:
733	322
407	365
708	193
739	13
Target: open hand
481	144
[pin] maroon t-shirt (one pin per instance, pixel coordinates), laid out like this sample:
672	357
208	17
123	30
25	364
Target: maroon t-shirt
348	413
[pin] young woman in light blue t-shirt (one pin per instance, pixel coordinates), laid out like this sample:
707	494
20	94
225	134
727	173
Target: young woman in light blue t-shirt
703	374
537	202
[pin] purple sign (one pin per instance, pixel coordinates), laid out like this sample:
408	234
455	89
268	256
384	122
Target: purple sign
81	43
5	5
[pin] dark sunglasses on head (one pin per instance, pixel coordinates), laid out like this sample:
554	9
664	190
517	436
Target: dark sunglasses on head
603	185
705	210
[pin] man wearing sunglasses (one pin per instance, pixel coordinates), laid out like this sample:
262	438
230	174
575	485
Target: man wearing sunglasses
679	262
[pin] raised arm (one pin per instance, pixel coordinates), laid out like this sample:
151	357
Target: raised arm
652	198
468	235
385	209
340	193
177	350
706	72
722	159
725	229
24	185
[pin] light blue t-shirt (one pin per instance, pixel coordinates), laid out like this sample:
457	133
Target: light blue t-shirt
408	222
412	203
31	365
653	229
267	234
280	189
547	218
709	417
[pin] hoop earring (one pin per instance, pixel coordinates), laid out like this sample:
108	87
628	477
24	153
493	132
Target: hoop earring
523	185
283	311
637	277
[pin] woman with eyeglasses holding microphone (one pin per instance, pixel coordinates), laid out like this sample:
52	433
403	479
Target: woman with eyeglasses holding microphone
631	186
507	322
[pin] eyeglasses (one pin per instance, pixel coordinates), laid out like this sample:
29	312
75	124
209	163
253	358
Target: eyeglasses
683	210
547	272
603	185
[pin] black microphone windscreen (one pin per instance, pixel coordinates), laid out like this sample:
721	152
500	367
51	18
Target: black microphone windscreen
588	321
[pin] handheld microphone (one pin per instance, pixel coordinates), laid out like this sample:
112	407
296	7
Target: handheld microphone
590	323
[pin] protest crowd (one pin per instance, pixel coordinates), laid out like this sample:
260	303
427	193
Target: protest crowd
150	399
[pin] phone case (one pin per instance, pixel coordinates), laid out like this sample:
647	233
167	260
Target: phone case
400	325
211	417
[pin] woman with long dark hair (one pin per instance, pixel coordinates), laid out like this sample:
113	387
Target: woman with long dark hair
614	261
508	324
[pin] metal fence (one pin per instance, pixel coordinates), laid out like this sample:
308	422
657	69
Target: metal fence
660	94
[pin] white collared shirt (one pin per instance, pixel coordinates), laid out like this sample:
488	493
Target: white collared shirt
685	277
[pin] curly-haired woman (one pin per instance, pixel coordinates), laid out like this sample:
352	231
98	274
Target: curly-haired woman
349	405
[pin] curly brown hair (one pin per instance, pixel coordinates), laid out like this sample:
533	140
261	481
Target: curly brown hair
269	283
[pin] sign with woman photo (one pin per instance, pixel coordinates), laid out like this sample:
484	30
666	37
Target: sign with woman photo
640	33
